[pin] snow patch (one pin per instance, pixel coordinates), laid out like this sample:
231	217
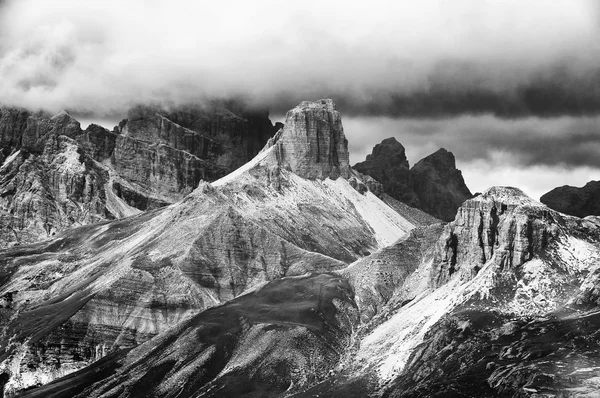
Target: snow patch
388	225
577	255
9	159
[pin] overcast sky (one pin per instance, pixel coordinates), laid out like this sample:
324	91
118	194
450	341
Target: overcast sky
511	87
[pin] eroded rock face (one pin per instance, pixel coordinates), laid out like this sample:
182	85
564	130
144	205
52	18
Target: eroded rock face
162	157
579	202
147	162
44	193
98	142
433	185
208	354
502	225
312	143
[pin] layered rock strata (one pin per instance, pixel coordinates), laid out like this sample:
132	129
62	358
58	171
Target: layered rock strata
146	162
312	144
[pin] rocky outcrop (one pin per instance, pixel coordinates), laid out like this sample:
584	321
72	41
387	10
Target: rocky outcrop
503	226
312	143
240	130
433	184
47	189
579	202
486	304
147	162
388	165
98	142
439	185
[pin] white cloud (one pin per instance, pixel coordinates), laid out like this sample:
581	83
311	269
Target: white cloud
101	54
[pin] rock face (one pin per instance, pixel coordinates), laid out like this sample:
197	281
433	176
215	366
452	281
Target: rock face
55	175
206	355
115	285
312	144
433	185
48	183
500	302
485	292
509	228
388	165
580	202
266	283
439	185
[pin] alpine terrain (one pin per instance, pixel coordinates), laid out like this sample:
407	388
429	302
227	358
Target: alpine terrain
54	175
296	275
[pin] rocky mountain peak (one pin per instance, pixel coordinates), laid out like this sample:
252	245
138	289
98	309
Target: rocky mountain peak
579	202
312	143
442	161
433	184
389	151
439	184
502	226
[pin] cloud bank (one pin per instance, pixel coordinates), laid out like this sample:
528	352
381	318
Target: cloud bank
418	58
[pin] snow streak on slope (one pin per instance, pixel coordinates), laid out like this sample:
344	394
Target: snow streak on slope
297	194
241	170
389	346
10	159
385	222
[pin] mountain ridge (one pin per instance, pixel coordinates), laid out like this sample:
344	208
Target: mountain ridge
146	162
406	309
261	223
266	282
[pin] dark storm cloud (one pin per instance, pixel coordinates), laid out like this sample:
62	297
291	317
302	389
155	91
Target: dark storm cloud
550	91
563	141
418	58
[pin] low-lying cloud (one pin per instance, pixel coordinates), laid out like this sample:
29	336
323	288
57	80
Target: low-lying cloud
421	58
563	141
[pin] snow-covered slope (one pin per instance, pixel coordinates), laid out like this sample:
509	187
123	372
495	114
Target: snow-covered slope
500	302
117	284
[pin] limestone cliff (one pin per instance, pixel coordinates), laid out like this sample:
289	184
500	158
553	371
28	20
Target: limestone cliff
312	143
146	162
500	302
48	183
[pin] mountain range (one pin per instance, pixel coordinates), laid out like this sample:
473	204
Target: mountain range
222	269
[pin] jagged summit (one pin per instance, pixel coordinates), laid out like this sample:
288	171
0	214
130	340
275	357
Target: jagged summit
312	143
389	149
433	184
